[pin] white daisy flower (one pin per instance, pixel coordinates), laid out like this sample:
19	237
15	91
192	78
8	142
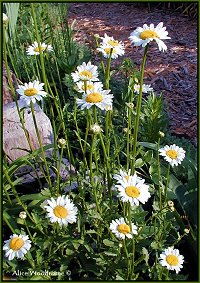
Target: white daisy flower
85	72
121	229
5	18
90	86
31	92
133	190
122	174
172	259
173	154
61	210
17	246
109	43
145	88
34	49
100	98
144	35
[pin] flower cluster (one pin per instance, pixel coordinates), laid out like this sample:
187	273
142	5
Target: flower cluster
110	46
93	93
131	188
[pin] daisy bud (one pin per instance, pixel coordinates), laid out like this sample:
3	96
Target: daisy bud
95	129
170	203
96	36
22	215
61	142
187	231
130	105
125	130
161	134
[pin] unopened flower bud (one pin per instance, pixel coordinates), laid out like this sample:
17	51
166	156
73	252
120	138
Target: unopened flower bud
95	129
187	231
161	134
130	105
170	203
96	35
61	142
108	107
22	215
125	130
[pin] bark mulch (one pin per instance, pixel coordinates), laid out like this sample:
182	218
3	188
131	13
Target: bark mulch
174	72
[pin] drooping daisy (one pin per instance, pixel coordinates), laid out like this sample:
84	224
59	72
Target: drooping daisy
5	18
31	92
133	190
100	98
121	229
122	174
61	210
85	72
17	246
145	88
90	86
109	43
173	154
172	259
34	49
144	35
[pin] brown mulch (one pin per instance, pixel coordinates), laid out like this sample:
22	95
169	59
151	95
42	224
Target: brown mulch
174	72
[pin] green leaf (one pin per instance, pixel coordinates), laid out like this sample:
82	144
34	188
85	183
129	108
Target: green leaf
110	253
146	255
139	163
108	243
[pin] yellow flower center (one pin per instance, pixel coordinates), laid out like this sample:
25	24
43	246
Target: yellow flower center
30	91
88	87
94	97
113	43
16	243
108	50
127	177
86	74
38	49
123	228
60	211
172	260
172	153
132	191
148	34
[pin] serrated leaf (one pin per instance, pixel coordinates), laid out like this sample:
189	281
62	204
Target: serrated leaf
108	243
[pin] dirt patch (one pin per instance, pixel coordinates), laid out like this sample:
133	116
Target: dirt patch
174	72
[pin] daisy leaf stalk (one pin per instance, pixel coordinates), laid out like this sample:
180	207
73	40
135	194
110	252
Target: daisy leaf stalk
138	109
41	145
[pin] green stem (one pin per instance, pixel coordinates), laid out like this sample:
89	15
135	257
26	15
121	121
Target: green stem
58	172
138	108
41	145
159	187
167	183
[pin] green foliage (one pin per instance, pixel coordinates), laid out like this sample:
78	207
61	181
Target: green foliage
87	248
154	118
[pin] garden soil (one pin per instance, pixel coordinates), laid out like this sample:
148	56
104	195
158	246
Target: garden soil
174	72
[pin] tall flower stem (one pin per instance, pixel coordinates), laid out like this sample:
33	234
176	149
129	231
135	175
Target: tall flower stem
138	108
41	145
159	187
167	183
